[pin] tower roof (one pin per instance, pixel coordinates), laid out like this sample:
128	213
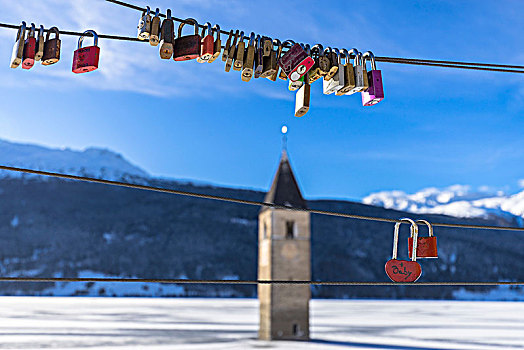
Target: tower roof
285	190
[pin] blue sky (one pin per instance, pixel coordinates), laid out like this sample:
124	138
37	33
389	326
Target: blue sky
436	127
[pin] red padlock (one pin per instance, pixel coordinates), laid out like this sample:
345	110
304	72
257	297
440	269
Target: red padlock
208	45
187	47
426	246
86	58
30	49
295	62
404	270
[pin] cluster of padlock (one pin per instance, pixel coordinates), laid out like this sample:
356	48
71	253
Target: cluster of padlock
418	248
262	57
31	48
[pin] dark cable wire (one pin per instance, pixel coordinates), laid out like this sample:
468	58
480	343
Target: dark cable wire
253	282
241	201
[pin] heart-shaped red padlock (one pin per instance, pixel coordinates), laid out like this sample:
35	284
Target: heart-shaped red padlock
404	270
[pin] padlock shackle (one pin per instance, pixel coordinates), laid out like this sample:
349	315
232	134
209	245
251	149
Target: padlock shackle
21	31
168	14
307	48
337	52
354	52
414	232
277	43
146	11
216	29
328	49
41	31
182	24
33	30
346	56
291	43
369	54
157	12
81	39
252	39
53	30
430	228
259	42
208	26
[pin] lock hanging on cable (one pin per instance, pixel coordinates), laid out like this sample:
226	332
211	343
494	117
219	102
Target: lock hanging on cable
167	36
18	47
338	80
30	49
426	246
40	42
249	60
302	98
295	62
144	25
86	58
349	72
208	44
375	92
187	47
52	47
404	270
154	36
217	45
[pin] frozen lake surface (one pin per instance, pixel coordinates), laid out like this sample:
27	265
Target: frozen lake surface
145	323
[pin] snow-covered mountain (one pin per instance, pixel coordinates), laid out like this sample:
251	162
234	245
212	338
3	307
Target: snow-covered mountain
458	200
92	162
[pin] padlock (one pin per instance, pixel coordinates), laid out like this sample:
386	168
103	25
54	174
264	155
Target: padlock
52	47
86	58
267	44
208	44
324	63
426	246
18	47
240	51
231	52
40	42
144	25
404	270
29	49
187	47
269	63
259	57
332	57
302	98
217	45
314	72
295	62
349	73
167	36
375	93
295	85
225	54
154	36
278	44
360	75
338	80
249	60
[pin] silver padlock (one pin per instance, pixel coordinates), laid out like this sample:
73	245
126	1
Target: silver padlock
18	47
144	25
338	81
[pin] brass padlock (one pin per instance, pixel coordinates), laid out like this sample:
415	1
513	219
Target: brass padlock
40	42
52	47
268	46
144	25
323	62
259	57
270	63
349	73
154	36
240	52
217	45
167	36
314	72
225	54
278	55
333	63
249	60
302	98
18	47
231	52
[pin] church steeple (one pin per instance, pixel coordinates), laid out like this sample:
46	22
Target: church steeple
285	190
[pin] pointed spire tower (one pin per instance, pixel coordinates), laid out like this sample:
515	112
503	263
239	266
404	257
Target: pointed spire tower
284	254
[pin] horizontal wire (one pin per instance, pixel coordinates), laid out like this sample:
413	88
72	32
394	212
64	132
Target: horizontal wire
241	201
253	282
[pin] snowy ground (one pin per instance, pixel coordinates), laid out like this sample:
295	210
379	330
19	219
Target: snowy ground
155	323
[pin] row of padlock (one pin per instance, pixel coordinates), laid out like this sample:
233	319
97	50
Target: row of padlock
418	248
30	49
262	57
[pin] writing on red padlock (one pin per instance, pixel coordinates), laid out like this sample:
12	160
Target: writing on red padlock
404	270
86	58
426	246
295	62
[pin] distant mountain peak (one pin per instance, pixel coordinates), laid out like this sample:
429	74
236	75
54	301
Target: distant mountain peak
93	162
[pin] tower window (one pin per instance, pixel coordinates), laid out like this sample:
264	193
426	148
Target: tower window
290	229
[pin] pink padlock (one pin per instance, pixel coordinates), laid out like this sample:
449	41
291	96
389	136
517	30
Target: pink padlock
375	93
